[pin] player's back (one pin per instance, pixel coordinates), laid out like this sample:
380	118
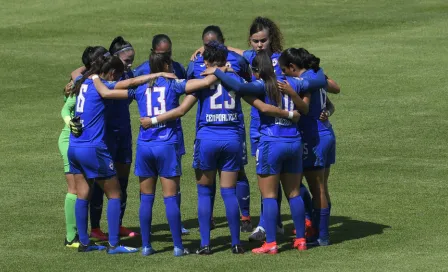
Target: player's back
90	108
220	115
155	100
275	128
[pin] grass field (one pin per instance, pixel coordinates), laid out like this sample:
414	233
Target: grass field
388	187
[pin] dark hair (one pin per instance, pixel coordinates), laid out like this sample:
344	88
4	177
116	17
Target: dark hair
91	53
158	39
300	57
262	64
157	61
214	30
215	53
275	36
101	65
119	44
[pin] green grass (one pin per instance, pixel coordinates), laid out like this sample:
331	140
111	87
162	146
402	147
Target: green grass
388	186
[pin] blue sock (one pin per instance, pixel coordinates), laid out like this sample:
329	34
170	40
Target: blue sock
243	195
113	220
279	205
232	213
306	197
270	214
298	215
96	206
124	197
81	214
316	220
173	216
324	222
261	222
213	196
205	195
145	214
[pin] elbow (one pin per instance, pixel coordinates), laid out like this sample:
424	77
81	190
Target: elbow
263	109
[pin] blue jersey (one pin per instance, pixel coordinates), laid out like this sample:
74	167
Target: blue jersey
118	117
145	69
249	55
219	115
90	107
155	100
238	64
310	123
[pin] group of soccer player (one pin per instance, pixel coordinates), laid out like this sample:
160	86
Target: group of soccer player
290	137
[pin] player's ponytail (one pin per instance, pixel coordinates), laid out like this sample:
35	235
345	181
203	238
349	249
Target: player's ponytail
215	53
158	62
299	57
262	64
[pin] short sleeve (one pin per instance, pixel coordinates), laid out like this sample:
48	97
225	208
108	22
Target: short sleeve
179	86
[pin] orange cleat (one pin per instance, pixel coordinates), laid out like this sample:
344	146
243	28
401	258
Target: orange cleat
300	244
266	248
309	230
98	234
125	232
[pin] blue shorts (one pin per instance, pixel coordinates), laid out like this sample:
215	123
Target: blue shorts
319	152
279	157
225	155
93	162
119	144
157	160
255	135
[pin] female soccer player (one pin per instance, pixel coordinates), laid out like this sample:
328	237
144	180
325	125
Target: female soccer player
318	136
89	158
240	66
119	144
89	55
157	148
279	153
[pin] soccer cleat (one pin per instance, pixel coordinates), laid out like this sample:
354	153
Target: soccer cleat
309	230
178	252
98	234
246	226
258	234
319	242
204	250
125	232
146	251
212	224
184	231
237	249
90	247
266	248
300	244
73	244
119	249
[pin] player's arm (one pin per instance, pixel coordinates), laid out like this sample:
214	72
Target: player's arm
236	50
173	114
253	88
287	89
132	82
107	93
330	109
271	110
333	87
67	109
197	84
78	72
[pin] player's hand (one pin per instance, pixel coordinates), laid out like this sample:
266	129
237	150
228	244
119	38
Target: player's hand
295	117
200	51
145	122
76	126
209	71
285	87
68	88
168	75
324	115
